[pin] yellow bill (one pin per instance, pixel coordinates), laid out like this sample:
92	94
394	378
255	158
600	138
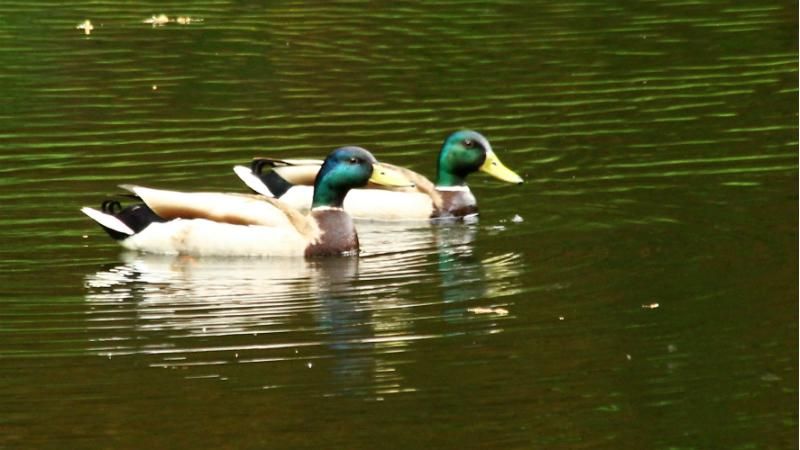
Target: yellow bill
386	176
495	168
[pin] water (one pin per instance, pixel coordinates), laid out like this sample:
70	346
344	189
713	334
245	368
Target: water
647	298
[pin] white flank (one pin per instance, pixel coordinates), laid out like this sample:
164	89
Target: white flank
252	181
107	220
379	204
202	237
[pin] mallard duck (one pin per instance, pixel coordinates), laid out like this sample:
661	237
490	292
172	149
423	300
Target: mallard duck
462	153
208	223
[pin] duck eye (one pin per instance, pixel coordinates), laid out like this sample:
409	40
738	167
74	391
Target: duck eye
469	143
353	160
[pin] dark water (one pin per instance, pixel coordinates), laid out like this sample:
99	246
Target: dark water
647	298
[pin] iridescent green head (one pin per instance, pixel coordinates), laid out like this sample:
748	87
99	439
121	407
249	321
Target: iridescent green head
465	152
350	167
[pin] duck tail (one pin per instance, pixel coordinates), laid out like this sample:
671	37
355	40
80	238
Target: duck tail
113	226
122	223
274	177
255	181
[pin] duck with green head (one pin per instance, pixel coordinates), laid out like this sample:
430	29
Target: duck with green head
463	153
210	223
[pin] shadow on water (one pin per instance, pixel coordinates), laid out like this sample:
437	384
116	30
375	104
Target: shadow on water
357	320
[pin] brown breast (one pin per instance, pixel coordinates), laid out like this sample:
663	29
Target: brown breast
337	233
456	204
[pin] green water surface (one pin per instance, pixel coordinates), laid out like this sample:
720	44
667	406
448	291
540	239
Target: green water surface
639	291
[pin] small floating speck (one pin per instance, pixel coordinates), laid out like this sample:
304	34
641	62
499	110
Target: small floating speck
560	317
85	236
155	87
628	357
309	365
86	26
517	219
157	21
770	377
651	306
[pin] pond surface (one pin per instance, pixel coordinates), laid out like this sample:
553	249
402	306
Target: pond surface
638	291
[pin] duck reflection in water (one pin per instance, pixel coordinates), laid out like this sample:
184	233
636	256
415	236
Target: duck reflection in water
227	317
471	280
356	319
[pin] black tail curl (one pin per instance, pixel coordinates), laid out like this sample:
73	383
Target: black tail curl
112	207
258	164
276	184
137	217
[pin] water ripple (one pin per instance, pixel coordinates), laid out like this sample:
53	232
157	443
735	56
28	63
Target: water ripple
258	311
658	142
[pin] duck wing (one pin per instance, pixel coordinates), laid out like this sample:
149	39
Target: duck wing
421	184
294	171
237	209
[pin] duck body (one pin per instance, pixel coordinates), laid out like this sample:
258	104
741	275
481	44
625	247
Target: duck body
171	222
203	237
462	153
370	204
388	205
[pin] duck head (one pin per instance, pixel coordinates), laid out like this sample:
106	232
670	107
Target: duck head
465	152
347	168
